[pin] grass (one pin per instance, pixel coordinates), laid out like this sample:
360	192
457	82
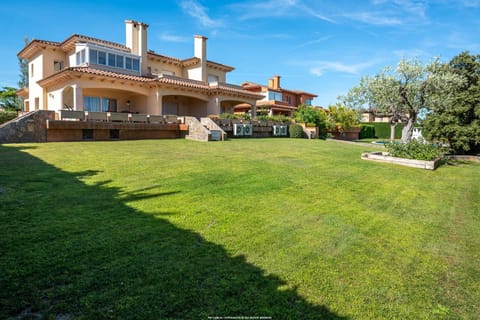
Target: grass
281	228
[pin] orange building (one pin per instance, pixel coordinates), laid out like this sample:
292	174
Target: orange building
276	100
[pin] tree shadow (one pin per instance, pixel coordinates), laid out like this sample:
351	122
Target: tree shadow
72	250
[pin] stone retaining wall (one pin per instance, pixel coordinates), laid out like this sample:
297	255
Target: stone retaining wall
30	127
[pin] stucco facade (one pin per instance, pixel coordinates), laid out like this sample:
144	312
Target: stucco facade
89	74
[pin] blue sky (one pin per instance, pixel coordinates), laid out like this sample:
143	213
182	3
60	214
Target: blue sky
323	47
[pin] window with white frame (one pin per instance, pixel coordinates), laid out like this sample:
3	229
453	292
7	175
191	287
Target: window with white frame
111	58
80	56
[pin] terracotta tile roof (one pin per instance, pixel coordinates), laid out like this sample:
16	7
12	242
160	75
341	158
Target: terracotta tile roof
168	80
69	43
35	45
216	65
177	81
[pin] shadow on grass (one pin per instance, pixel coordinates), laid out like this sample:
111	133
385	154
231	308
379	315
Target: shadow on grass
71	250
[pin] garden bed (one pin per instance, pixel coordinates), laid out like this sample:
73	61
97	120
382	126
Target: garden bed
384	157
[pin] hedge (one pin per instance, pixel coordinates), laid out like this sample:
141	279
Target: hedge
295	130
382	130
367	131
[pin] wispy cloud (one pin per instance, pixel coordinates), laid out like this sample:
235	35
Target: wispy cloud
374	18
319	68
312	42
277	8
199	12
470	3
389	13
172	38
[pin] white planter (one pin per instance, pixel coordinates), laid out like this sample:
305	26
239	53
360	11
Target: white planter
384	157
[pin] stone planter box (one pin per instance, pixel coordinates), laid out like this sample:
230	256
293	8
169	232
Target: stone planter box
384	157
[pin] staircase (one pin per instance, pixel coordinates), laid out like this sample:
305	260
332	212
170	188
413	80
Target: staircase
204	130
29	127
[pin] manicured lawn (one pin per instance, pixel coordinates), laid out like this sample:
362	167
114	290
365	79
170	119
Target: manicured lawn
289	229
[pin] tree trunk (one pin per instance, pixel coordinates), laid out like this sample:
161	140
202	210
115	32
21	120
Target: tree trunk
392	131
407	129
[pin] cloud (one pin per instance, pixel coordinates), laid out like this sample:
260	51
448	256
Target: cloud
312	42
276	8
321	67
389	13
172	38
199	12
374	18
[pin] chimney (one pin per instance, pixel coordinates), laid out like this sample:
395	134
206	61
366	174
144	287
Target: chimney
200	51
276	82
270	83
136	40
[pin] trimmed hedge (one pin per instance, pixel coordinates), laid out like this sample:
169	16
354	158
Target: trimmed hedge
367	131
382	130
295	130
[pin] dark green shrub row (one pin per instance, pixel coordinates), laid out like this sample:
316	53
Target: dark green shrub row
295	130
367	131
382	130
7	116
416	149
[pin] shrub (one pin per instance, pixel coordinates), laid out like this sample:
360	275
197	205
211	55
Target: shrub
367	131
416	149
308	114
7	116
382	130
296	130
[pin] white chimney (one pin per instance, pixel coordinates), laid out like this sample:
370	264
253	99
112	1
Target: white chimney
136	40
200	51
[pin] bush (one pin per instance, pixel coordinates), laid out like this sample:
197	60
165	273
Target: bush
382	130
7	116
296	130
367	131
416	149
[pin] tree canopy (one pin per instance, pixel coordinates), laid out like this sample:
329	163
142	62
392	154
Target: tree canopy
403	92
458	122
9	100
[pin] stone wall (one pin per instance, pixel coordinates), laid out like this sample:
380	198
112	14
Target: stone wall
30	127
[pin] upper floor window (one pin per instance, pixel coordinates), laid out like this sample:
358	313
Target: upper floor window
288	99
272	95
212	78
308	102
31	71
80	55
98	55
57	65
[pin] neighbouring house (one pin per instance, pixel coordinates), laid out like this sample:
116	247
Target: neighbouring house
83	73
275	99
371	116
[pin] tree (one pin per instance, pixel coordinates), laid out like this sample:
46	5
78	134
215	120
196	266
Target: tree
458	122
341	118
23	65
403	92
313	115
9	100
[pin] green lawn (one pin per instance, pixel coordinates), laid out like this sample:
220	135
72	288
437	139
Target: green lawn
281	228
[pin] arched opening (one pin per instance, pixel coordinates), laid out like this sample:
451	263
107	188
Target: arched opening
181	105
67	98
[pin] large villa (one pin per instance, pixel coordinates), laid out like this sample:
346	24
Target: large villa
89	74
85	88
